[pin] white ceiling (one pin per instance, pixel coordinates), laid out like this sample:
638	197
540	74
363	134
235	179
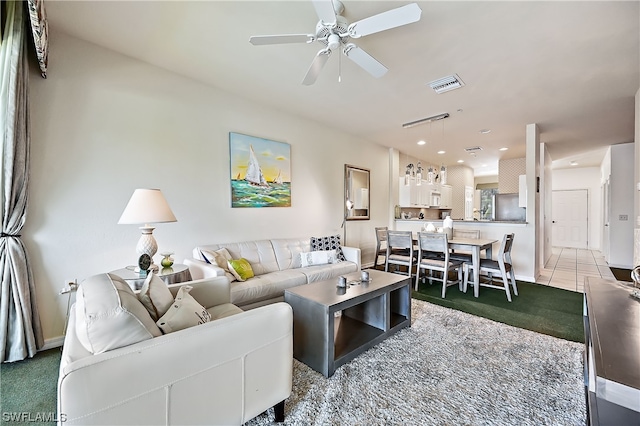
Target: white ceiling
571	67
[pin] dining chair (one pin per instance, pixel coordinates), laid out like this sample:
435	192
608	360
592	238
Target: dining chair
501	269
400	250
437	243
464	256
381	244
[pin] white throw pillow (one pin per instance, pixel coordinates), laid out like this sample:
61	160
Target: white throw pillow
220	258
155	296
110	316
185	312
318	258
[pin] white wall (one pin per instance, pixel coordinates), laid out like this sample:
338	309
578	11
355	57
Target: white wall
622	196
531	232
546	187
636	192
584	178
104	124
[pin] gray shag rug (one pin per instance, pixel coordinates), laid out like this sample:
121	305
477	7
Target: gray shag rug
449	368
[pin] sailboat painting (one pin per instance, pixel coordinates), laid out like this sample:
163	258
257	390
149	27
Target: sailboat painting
260	172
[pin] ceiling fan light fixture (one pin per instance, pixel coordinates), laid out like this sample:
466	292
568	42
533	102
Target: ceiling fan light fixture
333	42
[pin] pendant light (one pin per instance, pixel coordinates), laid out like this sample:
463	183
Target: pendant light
430	175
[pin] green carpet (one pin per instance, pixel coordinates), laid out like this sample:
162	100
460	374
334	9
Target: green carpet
28	389
543	309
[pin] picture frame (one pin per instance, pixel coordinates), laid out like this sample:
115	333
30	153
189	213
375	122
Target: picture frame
260	172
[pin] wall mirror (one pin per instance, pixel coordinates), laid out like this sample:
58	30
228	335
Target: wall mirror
356	193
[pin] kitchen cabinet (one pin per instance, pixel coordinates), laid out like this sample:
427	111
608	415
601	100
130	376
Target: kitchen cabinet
409	196
446	196
522	191
423	196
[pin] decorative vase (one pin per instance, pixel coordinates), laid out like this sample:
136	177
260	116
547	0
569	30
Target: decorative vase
166	261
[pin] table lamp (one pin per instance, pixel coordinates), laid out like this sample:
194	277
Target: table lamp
147	206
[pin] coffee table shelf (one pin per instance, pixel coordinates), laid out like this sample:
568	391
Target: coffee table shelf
367	314
350	335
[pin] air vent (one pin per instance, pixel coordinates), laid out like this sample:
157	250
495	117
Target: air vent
446	83
473	149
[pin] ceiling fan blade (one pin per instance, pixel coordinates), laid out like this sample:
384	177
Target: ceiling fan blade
366	61
386	20
316	66
281	39
325	11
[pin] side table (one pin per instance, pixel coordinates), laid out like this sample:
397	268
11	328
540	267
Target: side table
177	273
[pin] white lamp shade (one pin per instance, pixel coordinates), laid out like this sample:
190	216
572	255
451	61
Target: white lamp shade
147	206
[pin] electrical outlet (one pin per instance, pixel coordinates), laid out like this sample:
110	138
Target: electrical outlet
623	217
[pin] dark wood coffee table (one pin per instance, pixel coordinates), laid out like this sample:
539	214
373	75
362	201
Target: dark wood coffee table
368	313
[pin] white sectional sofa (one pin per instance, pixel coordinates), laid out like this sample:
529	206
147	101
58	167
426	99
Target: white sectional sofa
223	372
276	264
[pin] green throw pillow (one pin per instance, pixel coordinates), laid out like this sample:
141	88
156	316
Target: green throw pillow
241	269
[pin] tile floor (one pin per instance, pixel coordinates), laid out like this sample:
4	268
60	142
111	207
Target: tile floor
567	268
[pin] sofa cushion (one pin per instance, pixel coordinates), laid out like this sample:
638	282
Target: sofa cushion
110	316
265	287
318	258
329	271
240	269
331	242
224	310
260	254
288	251
183	313
155	296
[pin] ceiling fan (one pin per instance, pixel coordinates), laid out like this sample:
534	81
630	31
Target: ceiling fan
335	32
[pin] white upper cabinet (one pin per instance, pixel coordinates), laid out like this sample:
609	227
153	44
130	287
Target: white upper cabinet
522	191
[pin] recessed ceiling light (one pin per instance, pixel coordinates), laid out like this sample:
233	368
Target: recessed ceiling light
484	165
503	149
573	163
441	152
460	161
485	131
421	142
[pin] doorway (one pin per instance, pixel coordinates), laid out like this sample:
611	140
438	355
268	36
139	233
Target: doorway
570	218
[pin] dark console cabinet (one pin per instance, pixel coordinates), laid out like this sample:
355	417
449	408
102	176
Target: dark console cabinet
612	353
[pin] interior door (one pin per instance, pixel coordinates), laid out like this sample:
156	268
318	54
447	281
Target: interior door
570	218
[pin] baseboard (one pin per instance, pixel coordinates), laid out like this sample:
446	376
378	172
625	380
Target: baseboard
54	342
619	266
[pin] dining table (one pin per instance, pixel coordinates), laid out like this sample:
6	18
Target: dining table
475	246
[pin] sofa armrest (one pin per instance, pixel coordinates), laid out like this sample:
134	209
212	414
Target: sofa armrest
200	269
223	372
352	254
209	292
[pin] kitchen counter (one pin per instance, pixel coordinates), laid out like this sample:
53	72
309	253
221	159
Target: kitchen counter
495	230
469	222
